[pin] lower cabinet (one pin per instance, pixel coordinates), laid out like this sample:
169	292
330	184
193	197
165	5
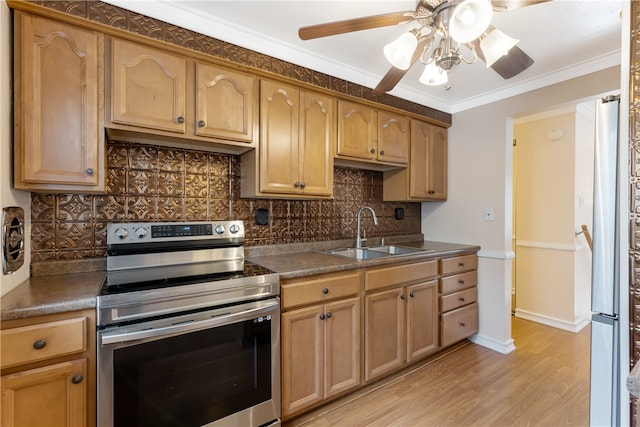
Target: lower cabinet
401	327
48	370
320	343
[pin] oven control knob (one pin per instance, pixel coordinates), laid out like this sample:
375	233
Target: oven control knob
234	228
121	233
141	232
220	229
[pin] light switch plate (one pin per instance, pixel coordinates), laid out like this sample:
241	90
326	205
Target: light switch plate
488	214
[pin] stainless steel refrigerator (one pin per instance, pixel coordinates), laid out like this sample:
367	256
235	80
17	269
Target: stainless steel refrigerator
605	328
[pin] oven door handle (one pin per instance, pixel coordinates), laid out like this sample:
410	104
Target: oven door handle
189	326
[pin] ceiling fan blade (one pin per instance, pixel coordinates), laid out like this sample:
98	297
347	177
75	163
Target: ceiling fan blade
512	64
356	24
504	5
394	75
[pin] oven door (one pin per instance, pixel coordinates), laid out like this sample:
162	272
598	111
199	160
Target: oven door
215	367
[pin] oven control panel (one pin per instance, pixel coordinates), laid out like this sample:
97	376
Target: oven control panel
138	232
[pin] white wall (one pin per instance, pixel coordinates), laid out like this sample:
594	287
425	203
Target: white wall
9	197
480	175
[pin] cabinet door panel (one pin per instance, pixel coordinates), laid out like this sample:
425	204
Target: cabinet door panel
357	125
384	334
342	349
437	163
148	87
45	396
393	137
317	138
58	101
278	137
225	103
302	358
422	320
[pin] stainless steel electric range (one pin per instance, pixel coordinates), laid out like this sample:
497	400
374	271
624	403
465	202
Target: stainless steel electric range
188	330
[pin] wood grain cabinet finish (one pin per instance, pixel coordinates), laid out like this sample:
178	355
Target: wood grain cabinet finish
295	154
320	342
426	176
458	298
48	370
157	96
401	316
58	125
371	135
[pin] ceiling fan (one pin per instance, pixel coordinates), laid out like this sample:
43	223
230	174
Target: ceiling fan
443	27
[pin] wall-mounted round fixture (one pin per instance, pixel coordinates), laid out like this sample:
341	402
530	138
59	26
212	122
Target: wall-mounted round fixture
554	134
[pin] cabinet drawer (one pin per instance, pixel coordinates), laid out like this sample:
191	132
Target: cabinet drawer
458	299
43	341
458	282
399	274
458	324
317	289
458	264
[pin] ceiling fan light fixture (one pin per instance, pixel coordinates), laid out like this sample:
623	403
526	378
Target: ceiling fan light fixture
433	75
495	45
400	51
470	19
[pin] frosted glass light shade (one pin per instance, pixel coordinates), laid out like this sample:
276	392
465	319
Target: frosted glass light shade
470	19
433	75
400	51
495	45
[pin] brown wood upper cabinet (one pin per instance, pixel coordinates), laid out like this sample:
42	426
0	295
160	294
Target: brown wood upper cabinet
426	176
371	135
59	133
295	155
157	93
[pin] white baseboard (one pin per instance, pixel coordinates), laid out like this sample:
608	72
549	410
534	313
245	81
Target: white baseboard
555	323
501	347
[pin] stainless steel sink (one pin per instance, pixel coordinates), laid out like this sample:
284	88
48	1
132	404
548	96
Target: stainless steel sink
376	251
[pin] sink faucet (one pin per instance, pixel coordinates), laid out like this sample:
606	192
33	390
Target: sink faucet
358	232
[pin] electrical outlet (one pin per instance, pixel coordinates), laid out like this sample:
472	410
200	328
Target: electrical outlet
488	214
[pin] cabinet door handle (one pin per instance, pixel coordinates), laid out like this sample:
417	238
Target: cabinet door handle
89	171
329	315
325	291
77	379
322	316
40	344
382	152
202	124
412	295
303	184
180	120
296	184
373	150
402	297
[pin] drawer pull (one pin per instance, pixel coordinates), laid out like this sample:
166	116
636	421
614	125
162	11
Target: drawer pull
40	344
77	379
461	299
460	282
462	324
461	264
325	291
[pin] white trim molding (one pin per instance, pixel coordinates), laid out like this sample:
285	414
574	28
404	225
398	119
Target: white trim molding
548	245
501	347
496	254
574	327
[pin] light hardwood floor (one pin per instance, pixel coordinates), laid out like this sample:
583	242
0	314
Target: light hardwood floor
544	382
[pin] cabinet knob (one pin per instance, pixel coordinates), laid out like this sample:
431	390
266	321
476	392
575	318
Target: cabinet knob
325	291
322	316
402	297
329	315
461	299
303	184
40	344
373	150
412	295
296	184
89	171
202	124
77	379
382	153
460	282
462	324
180	120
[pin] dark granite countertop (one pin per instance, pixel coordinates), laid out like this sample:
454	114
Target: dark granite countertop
58	293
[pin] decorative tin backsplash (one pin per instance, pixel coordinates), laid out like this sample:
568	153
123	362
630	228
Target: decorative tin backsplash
152	183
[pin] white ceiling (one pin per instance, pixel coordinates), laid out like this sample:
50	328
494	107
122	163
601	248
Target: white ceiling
566	38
